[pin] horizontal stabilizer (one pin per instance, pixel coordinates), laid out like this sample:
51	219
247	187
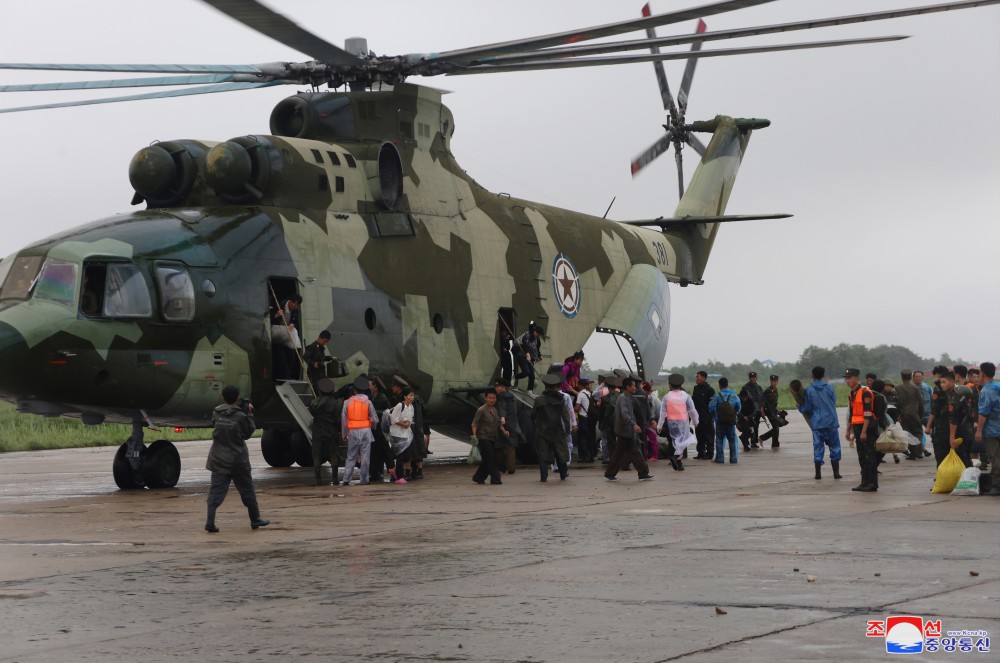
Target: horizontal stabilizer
678	222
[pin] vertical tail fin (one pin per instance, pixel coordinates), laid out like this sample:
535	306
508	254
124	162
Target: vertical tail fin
708	193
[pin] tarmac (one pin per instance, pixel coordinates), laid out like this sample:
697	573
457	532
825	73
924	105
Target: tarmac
749	562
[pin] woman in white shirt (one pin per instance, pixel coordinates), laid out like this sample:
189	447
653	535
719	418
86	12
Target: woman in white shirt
401	435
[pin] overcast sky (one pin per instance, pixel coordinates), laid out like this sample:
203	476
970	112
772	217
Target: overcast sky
888	155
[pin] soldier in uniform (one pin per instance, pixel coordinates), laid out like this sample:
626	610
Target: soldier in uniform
316	358
626	427
752	402
969	393
861	426
382	457
770	401
228	458
959	418
911	412
705	432
937	423
507	409
552	425
325	410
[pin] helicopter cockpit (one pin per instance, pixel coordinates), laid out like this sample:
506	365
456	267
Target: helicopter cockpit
108	290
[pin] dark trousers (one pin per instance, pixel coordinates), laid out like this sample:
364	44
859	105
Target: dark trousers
942	447
220	486
586	446
773	433
525	369
705	432
382	457
748	429
507	367
626	451
488	465
867	458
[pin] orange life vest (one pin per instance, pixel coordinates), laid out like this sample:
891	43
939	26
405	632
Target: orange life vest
357	412
858	405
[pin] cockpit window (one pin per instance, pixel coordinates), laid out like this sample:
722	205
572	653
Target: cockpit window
56	282
126	294
22	274
176	293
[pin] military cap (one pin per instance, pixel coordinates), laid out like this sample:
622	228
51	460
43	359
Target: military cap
400	381
774	377
555	369
552	380
503	383
676	379
613	380
852	373
361	382
906	374
753	374
378	382
621	373
326	386
887	382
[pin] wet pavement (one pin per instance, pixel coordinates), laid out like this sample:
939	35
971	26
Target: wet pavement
447	570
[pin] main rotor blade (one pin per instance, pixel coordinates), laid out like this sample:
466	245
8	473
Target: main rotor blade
736	33
682	96
142	68
268	22
208	89
630	59
652	152
695	143
482	53
196	79
661	76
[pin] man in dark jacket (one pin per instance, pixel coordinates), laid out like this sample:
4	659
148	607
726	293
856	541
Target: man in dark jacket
315	358
326	409
910	402
421	435
626	428
552	425
507	409
752	402
705	430
228	458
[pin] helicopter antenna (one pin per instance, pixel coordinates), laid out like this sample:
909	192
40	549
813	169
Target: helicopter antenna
609	206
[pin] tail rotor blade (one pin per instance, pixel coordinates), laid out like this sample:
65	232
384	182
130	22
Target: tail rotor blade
651	153
682	96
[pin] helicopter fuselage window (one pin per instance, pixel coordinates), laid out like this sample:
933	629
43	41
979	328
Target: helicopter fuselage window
21	273
176	293
126	293
56	282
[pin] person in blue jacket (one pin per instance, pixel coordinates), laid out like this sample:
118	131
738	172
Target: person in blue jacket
821	406
725	421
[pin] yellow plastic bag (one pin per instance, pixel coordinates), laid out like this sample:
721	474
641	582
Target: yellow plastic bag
948	473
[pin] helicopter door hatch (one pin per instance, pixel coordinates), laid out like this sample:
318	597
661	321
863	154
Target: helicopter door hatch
286	342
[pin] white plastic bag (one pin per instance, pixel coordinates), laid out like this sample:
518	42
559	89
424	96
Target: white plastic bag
969	483
902	435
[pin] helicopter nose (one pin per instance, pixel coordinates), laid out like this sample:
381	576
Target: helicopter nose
13	353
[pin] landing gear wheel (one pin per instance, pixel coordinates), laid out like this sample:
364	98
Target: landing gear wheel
527	453
301	449
161	465
275	445
125	477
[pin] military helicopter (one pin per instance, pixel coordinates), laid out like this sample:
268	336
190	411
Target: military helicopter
143	317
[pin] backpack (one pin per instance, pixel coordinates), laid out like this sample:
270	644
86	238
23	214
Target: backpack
726	413
386	422
608	404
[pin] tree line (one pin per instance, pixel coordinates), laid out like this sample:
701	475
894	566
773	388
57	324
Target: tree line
883	360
